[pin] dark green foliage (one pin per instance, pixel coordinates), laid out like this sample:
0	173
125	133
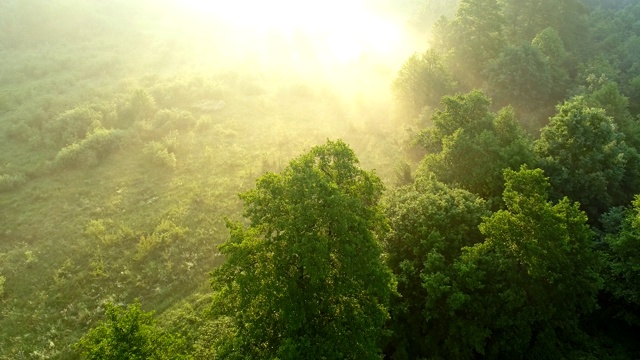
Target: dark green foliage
524	19
552	47
430	225
521	76
469	146
587	159
306	278
623	261
606	95
534	276
421	82
129	334
471	39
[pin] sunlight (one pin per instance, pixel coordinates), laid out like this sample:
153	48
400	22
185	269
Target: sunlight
332	31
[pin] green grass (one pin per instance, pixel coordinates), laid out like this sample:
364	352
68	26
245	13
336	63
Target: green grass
131	204
125	226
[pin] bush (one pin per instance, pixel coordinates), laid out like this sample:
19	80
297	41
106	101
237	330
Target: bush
158	154
163	235
166	120
9	182
90	151
72	126
24	133
2	281
129	333
107	232
141	106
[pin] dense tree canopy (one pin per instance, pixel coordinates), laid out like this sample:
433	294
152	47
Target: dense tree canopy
587	159
306	278
469	146
521	76
430	225
622	274
421	82
538	272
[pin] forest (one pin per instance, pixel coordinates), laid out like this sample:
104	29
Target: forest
375	179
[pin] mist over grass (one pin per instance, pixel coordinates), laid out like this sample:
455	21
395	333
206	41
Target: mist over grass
128	128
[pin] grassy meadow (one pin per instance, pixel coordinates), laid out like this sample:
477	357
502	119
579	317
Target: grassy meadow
123	148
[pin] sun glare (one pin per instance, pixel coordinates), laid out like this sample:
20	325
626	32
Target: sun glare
337	31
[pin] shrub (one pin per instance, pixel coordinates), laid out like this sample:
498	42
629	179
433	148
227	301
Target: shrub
141	106
9	182
24	133
107	232
158	154
73	125
90	151
164	234
166	120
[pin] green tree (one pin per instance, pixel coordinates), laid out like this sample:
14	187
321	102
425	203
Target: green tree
305	279
537	270
587	159
623	261
524	19
521	76
129	334
468	145
471	39
606	95
430	225
552	47
422	81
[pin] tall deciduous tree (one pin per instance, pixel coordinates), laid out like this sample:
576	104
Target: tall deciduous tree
421	82
469	145
623	264
305	279
587	159
538	272
472	38
521	76
430	225
526	18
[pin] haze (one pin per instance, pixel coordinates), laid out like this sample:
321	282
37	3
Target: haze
352	45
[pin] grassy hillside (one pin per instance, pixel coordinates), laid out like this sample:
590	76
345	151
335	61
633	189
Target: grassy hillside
122	152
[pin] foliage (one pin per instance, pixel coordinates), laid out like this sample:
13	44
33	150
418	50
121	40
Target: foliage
587	159
469	146
90	151
524	19
10	182
159	154
534	276
129	333
623	262
471	39
430	225
421	82
521	76
73	126
306	279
